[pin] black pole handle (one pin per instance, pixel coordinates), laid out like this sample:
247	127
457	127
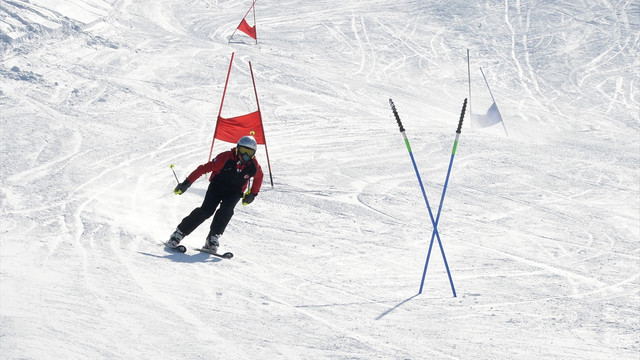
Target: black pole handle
395	113
464	108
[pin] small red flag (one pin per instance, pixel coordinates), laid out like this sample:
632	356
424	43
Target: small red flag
249	30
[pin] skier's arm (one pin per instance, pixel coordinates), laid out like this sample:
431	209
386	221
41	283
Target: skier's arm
214	166
257	180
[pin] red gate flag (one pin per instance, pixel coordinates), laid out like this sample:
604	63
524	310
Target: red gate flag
232	129
244	25
249	30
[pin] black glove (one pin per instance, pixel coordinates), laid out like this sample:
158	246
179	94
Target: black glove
248	198
181	188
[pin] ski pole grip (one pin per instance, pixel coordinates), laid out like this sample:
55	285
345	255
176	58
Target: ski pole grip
395	113
464	108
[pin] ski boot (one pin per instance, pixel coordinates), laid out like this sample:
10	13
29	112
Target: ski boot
175	238
212	243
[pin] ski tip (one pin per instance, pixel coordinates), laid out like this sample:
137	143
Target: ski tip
179	248
226	255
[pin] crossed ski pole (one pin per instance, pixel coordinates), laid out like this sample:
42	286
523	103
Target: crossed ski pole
415	167
436	220
444	191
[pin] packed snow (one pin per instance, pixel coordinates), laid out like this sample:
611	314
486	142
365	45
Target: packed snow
540	224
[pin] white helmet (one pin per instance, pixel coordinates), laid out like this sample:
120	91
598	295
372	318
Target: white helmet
246	148
248	142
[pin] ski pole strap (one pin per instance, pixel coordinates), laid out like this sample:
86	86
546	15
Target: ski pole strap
464	108
395	113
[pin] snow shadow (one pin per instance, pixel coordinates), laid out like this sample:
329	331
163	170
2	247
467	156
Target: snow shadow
396	307
184	258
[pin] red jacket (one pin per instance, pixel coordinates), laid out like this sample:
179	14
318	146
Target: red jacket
227	171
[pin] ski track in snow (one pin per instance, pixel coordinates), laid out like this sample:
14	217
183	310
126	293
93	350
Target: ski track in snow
541	229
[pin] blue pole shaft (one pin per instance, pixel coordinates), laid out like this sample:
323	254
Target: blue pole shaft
444	191
435	223
424	194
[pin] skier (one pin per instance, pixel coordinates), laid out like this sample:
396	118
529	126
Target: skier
231	171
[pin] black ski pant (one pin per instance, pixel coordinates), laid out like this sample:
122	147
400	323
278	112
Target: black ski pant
216	195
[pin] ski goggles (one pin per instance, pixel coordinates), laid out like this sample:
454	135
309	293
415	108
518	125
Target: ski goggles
245	153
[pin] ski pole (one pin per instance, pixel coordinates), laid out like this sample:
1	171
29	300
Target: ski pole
444	190
174	173
415	167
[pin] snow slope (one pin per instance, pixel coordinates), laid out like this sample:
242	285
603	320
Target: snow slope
541	229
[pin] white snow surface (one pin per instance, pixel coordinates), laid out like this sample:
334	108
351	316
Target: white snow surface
541	228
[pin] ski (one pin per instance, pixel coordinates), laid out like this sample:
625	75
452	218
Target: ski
226	255
179	248
183	249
